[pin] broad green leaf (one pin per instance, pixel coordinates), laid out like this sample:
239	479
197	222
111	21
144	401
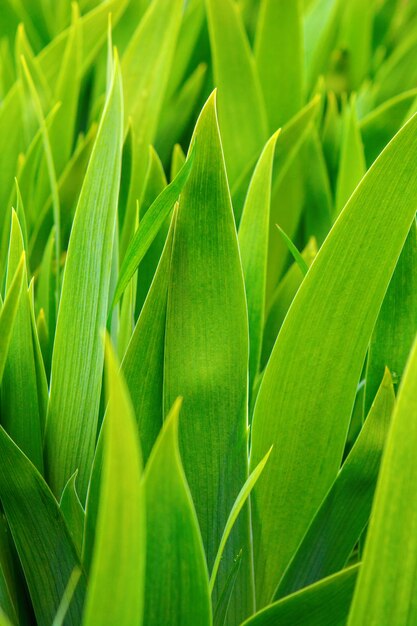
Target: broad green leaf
396	327
20	403
253	244
345	510
143	364
279	39
385	592
43	543
352	166
116	584
8	312
281	300
176	588
380	125
322	346
242	114
206	353
75	390
234	514
148	228
73	512
324	604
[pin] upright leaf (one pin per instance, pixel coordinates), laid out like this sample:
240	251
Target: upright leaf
206	353
177	590
386	589
77	359
253	243
116	585
143	364
322	346
352	164
20	404
242	115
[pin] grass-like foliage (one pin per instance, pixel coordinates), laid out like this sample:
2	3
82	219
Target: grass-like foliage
208	306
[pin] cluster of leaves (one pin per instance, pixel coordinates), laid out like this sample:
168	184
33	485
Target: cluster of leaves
205	419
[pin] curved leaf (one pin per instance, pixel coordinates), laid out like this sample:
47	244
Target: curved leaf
321	347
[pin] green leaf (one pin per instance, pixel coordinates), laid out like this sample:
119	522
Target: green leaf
75	391
206	353
8	312
234	514
116	584
73	512
324	604
20	403
295	253
318	201
253	244
242	114
279	38
386	588
345	510
144	358
177	589
352	166
45	549
178	160
396	327
146	65
356	32
155	183
152	221
322	346
177	116
320	32
223	603
380	125
67	597
281	300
